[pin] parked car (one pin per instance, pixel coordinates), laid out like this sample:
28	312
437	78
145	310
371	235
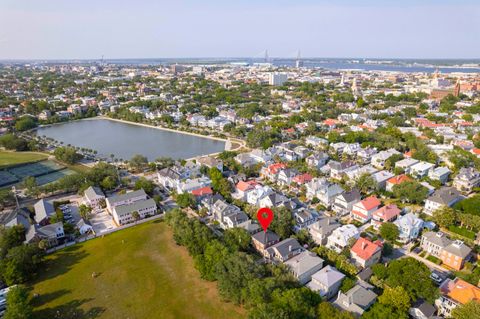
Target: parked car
436	278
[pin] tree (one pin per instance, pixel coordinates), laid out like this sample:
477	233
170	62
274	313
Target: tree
6	197
389	231
236	239
10	237
445	216
365	183
283	222
18	306
25	123
20	264
85	211
470	310
136	216
395	297
326	310
410	191
31	186
12	142
138	162
147	185
67	154
347	284
410	274
207	262
109	183
390	162
185	200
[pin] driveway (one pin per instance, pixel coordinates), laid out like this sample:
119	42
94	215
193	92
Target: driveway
102	222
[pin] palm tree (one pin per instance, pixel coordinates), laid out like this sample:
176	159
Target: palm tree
136	216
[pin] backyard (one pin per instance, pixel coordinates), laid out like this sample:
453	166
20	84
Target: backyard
138	272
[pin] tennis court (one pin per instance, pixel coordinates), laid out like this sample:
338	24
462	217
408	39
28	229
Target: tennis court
35	169
6	178
52	177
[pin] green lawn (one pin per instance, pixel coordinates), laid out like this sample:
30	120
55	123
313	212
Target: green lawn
14	158
142	273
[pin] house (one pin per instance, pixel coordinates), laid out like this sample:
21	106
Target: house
379	159
188	185
326	282
317	160
434	243
363	210
406	164
169	177
256	195
221	208
16	217
396	180
315	141
455	254
304	217
263	240
422	310
466	180
344	202
304	265
243	188
302	179
337	169
285	176
94	197
324	190
443	197
365	253
381	178
283	250
272	170
439	174
356	301
211	162
43	211
340	237
84	227
385	214
364	155
322	228
125	199
454	293
338	147
124	214
202	192
351	149
234	220
421	169
409	226
50	233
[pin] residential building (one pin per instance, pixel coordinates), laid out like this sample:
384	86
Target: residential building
94	197
409	226
337	169
125	199
366	253
443	197
324	190
363	210
356	301
344	202
466	180
277	79
422	310
440	174
455	254
322	228
50	233
406	164
124	214
43	211
304	265
263	240
340	237
454	293
421	169
379	159
381	178
385	214
434	243
396	180
317	160
326	282
283	250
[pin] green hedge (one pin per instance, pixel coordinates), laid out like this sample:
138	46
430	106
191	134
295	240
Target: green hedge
462	232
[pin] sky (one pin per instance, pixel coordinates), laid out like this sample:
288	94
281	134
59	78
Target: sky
88	29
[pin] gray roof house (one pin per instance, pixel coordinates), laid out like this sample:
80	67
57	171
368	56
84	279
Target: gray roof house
304	265
15	217
43	211
326	282
356	300
284	250
445	196
344	202
422	310
322	228
433	243
51	233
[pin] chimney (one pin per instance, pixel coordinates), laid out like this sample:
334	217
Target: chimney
364	245
289	248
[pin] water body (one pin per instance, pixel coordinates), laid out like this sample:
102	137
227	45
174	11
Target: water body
125	140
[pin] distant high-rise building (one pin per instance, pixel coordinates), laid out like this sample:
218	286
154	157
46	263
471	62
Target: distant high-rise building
298	62
277	79
175	68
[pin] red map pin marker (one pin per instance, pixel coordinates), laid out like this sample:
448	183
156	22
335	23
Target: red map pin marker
265	217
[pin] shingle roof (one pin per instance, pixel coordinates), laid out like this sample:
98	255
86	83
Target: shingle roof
138	205
43	210
127	196
304	262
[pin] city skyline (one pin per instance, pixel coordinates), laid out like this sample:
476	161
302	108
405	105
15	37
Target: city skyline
184	29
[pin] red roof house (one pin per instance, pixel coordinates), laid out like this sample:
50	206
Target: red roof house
366	253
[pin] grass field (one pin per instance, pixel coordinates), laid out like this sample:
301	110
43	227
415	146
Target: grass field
141	273
14	158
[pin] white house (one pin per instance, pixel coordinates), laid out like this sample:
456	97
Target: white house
421	169
440	174
94	197
443	197
339	239
326	282
379	159
304	265
323	190
409	227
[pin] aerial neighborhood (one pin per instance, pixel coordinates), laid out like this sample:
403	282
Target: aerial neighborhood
373	178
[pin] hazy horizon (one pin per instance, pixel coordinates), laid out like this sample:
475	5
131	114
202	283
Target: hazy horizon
185	29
